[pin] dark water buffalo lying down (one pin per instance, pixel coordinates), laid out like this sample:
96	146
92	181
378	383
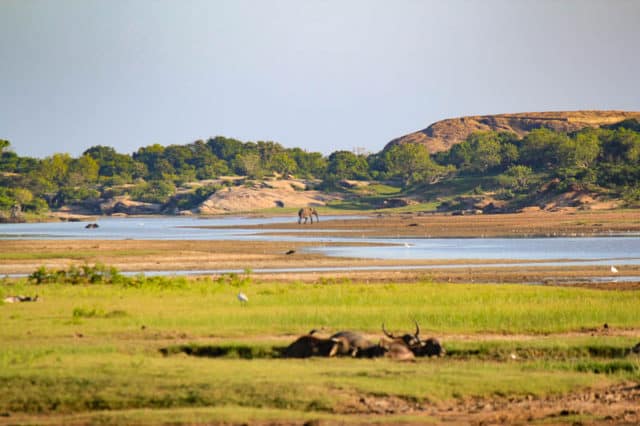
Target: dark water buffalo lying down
397	349
343	343
419	347
356	345
349	343
310	345
353	343
429	347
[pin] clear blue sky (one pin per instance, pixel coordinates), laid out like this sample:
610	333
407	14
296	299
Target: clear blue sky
322	75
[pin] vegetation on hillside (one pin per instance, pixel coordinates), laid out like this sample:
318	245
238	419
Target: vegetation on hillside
602	160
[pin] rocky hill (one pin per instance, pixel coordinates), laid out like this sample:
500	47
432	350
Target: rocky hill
264	195
442	135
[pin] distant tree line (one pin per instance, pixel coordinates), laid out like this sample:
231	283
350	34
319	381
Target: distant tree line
606	158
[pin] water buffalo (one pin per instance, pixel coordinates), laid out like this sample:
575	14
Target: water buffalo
430	347
420	348
411	340
358	346
373	351
354	344
310	345
20	298
397	349
307	213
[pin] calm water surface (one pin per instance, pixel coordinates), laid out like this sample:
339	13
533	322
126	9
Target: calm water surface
624	250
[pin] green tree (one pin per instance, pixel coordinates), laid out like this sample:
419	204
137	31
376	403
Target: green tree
586	149
283	164
308	164
56	168
249	164
158	166
544	149
347	165
154	191
482	151
517	177
83	170
410	162
22	196
225	148
267	150
510	154
207	165
485	148
114	165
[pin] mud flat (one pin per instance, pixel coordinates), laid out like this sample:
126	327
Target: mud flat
427	225
274	258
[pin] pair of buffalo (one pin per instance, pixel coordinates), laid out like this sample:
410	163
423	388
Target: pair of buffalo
349	343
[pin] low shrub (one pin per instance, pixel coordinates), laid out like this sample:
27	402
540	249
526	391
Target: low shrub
85	274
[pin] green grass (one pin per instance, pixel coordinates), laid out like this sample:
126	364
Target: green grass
115	354
206	306
382	189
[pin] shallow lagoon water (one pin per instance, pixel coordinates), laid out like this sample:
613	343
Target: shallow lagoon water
584	248
141	228
621	250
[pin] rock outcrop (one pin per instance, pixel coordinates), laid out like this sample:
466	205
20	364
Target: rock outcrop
442	135
124	205
262	196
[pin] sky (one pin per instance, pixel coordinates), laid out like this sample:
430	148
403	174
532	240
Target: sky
322	75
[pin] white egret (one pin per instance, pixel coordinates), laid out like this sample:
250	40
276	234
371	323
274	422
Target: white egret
614	270
243	298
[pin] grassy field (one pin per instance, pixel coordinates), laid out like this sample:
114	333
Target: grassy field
114	354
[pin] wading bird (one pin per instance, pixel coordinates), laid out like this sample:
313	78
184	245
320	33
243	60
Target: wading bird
614	270
243	298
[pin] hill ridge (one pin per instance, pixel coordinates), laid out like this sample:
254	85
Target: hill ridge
443	134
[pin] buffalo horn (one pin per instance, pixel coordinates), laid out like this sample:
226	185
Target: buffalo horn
417	330
386	333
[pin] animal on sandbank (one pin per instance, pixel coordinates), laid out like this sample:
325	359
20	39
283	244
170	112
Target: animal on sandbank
307	213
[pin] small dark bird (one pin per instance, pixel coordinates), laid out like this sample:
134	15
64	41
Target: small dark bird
290	252
605	326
